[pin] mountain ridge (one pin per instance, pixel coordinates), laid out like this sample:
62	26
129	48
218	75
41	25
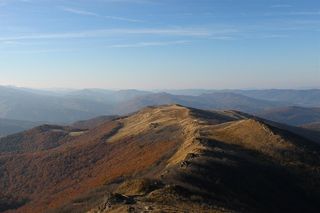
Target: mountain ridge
163	156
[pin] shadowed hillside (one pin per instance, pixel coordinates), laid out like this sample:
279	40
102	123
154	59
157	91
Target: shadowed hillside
8	126
40	138
169	158
313	126
94	122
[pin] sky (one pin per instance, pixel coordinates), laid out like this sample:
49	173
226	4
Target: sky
160	44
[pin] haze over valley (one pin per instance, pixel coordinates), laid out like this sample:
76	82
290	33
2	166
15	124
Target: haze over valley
32	107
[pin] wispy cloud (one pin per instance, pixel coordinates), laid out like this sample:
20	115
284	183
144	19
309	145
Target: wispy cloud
119	32
12	43
150	44
274	36
39	51
131	1
307	13
89	13
226	38
21	43
295	13
78	12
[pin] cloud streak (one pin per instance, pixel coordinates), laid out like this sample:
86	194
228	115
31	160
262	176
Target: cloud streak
294	13
150	44
116	32
88	13
78	12
130	1
41	51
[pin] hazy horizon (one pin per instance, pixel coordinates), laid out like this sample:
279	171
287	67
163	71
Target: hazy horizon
169	44
152	89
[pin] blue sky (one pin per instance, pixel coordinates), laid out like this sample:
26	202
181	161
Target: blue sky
160	44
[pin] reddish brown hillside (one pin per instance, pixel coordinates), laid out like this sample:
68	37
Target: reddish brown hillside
40	138
119	148
167	158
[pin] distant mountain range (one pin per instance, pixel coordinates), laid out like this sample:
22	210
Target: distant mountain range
303	98
67	106
218	100
306	98
296	116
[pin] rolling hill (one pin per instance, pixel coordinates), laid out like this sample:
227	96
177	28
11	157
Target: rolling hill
168	158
